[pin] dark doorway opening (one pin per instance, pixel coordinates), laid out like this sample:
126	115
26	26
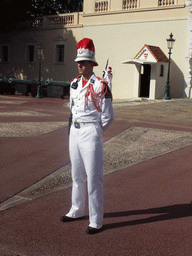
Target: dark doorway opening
145	81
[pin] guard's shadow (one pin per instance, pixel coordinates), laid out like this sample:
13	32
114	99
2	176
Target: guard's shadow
162	213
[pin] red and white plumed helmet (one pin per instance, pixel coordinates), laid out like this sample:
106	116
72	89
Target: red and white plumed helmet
86	51
109	69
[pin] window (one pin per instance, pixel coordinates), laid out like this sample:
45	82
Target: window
161	70
30	53
60	53
5	54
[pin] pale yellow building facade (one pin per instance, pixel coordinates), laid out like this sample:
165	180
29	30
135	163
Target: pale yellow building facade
120	29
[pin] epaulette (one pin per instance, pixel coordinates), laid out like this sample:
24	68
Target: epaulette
98	78
76	78
74	85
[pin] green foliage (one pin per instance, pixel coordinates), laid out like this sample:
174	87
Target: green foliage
14	11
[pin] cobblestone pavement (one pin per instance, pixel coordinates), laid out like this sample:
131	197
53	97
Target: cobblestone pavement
135	144
171	111
146	151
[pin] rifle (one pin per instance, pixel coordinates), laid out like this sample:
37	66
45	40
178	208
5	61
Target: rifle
105	68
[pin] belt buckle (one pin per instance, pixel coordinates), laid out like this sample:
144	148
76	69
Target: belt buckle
77	125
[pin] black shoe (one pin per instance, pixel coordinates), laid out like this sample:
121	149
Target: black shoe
92	231
69	219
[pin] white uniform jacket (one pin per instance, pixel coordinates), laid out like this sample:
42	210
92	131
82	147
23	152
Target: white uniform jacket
82	112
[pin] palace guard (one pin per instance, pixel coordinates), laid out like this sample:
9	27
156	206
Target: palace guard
91	114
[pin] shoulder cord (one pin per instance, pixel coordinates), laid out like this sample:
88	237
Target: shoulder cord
96	97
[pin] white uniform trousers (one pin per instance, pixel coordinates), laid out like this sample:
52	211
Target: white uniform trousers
86	155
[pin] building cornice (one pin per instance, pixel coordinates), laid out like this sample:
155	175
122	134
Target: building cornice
159	8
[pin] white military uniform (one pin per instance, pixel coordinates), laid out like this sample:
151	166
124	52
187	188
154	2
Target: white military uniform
86	150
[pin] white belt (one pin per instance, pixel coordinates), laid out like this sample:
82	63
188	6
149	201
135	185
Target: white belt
78	125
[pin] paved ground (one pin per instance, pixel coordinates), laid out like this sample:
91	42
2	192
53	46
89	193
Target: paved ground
147	182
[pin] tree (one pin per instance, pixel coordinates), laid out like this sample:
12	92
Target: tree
14	11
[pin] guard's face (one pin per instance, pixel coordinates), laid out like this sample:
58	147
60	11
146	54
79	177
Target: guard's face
85	67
